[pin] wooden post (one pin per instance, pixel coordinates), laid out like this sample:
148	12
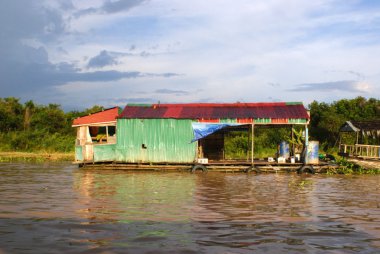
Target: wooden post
107	134
306	144
292	141
252	142
357	137
249	142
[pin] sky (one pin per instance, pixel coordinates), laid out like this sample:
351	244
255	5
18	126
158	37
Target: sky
113	52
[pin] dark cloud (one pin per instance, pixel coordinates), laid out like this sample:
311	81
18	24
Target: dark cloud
101	60
343	85
28	19
18	78
168	91
111	7
108	58
121	5
65	4
25	27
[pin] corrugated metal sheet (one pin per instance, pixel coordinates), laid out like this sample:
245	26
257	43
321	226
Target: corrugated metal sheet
372	125
279	110
104	152
108	115
155	140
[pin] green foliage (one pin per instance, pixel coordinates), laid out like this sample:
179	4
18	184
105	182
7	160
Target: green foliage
238	146
349	168
11	114
36	140
326	119
31	127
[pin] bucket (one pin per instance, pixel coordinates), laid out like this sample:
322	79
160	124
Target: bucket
312	156
284	150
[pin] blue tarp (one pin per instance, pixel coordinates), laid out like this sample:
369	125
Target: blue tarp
202	130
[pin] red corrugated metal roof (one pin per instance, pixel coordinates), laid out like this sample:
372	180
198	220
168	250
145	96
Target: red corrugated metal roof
275	110
108	115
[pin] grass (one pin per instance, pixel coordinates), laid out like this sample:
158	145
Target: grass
35	157
349	168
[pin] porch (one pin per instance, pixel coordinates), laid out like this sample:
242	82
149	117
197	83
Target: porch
360	151
360	139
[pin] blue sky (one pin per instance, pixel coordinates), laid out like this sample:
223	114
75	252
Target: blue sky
81	53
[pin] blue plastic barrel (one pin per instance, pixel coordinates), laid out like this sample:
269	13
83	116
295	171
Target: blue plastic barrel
313	152
284	150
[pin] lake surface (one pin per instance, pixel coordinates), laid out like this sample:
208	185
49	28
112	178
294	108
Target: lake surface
59	208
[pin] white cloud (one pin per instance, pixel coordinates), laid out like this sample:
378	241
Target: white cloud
231	50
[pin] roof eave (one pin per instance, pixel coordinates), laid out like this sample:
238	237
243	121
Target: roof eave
110	123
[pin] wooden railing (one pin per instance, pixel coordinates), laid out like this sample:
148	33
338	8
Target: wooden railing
363	151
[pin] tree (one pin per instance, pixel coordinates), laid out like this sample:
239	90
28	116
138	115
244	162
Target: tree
10	114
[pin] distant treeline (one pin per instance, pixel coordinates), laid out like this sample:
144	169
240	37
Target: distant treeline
327	118
31	127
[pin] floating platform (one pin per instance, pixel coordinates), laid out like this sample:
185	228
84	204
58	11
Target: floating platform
258	166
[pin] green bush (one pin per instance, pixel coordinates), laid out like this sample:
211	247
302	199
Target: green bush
38	140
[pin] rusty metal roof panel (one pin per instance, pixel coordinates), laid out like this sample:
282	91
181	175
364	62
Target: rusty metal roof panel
105	116
278	110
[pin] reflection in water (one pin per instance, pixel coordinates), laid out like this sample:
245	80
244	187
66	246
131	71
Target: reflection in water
60	208
135	196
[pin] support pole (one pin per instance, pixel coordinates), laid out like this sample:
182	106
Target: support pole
306	144
248	142
292	140
356	145
107	134
252	142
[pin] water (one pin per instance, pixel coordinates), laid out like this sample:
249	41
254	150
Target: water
58	208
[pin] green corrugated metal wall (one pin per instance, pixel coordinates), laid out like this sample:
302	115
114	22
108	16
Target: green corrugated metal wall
78	153
104	152
166	140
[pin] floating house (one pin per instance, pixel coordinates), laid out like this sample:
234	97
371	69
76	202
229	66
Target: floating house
176	133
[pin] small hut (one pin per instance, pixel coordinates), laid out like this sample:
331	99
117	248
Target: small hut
365	136
96	135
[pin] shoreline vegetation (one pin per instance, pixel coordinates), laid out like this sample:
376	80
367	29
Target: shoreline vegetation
35	156
32	132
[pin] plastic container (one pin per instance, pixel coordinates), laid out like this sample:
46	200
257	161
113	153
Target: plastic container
281	160
312	156
284	150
